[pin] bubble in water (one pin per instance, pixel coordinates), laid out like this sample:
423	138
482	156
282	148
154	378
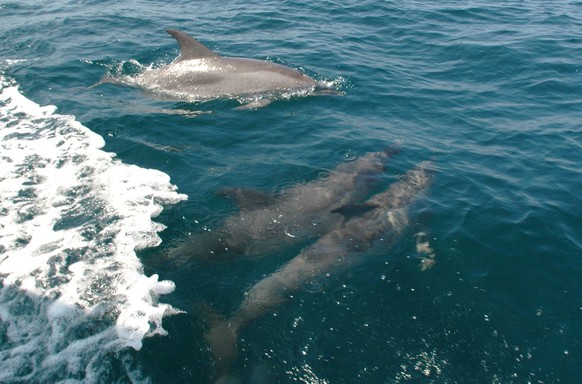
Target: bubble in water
345	295
315	284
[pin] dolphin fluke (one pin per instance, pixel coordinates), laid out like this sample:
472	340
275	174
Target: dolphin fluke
105	80
221	339
190	48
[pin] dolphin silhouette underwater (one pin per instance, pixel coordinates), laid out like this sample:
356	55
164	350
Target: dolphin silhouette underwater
198	74
266	223
385	217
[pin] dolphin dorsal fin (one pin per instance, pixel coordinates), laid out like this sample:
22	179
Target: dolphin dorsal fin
190	48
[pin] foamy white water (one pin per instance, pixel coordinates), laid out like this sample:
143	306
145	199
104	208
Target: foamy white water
72	216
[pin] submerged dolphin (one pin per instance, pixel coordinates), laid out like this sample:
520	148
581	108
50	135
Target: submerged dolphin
266	223
385	220
199	74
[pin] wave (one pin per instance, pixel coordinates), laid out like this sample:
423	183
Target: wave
72	216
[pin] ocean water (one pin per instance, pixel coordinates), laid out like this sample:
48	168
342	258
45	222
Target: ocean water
97	185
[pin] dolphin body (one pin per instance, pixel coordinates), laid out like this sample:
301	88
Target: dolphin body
337	250
267	223
199	74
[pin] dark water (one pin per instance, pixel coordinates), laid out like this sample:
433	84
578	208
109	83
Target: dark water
492	91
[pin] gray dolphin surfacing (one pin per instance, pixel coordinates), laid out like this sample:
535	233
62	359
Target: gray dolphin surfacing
265	223
345	242
199	74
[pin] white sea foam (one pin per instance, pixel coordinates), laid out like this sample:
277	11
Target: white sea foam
72	216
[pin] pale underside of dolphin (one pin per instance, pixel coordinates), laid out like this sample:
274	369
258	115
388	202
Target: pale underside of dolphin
265	223
199	74
341	247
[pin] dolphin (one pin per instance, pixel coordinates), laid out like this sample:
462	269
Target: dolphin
340	248
198	74
266	223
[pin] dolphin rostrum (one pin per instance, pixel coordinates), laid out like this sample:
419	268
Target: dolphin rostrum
266	223
199	74
337	250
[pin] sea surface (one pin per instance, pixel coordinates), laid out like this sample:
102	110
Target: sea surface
98	184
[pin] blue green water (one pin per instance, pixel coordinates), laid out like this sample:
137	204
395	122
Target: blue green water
491	90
